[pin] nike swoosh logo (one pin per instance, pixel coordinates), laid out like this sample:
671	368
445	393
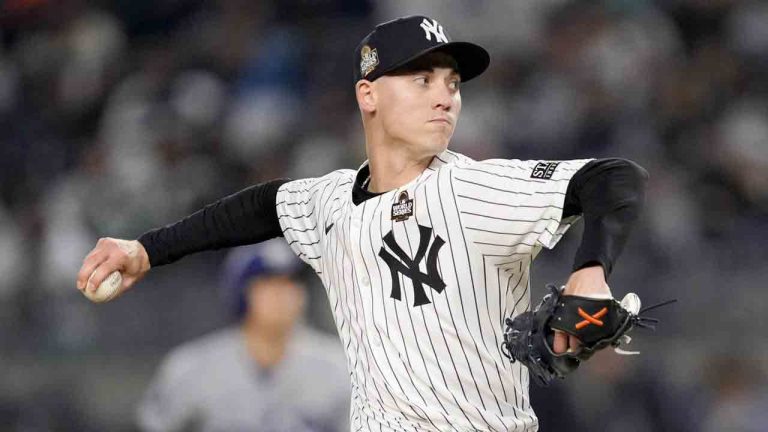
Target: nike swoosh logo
328	228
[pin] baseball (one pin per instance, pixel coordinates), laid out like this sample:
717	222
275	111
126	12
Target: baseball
631	302
108	289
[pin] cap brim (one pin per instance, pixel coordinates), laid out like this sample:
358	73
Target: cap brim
471	59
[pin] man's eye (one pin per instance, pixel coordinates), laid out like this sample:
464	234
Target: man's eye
454	84
421	79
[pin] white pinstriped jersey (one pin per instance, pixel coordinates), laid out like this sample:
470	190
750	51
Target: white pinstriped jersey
420	303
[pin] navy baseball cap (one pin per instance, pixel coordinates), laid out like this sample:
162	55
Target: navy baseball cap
395	43
245	263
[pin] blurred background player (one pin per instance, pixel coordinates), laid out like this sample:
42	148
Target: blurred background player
268	372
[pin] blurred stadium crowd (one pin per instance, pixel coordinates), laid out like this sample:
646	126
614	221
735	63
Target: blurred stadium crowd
118	116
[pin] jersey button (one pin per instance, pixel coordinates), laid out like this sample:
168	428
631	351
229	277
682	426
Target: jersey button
365	282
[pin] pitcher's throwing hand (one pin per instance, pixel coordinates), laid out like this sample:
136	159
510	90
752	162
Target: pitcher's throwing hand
126	256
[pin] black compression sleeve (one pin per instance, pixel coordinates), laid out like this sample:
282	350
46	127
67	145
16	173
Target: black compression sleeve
248	216
609	193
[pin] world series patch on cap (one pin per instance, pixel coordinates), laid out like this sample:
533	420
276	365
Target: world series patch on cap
396	43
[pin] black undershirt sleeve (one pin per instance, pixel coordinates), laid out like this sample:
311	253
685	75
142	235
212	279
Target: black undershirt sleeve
248	216
609	194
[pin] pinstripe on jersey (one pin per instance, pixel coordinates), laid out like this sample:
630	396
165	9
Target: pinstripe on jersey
437	365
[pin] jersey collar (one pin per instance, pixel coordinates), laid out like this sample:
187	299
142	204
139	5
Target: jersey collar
360	193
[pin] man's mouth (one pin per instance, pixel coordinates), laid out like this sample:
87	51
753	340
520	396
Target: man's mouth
441	120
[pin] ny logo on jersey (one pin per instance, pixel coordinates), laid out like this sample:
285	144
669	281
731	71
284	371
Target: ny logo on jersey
410	267
433	28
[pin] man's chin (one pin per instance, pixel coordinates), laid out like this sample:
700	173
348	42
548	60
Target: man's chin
439	146
432	145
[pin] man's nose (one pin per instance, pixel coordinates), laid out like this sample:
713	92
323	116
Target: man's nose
443	97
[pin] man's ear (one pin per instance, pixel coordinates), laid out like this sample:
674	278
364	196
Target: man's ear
366	96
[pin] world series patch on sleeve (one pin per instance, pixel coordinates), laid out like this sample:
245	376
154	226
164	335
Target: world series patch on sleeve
598	323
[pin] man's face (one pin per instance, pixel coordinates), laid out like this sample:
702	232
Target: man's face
420	107
275	302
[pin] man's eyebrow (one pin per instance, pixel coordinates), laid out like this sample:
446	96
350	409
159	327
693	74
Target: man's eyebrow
432	69
416	69
454	73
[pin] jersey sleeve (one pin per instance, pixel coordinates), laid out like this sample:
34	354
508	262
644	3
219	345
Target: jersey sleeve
514	206
301	210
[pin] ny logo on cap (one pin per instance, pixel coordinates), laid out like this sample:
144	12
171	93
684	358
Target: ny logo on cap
433	28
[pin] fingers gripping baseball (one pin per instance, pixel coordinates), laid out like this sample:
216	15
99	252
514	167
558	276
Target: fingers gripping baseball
110	255
564	342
